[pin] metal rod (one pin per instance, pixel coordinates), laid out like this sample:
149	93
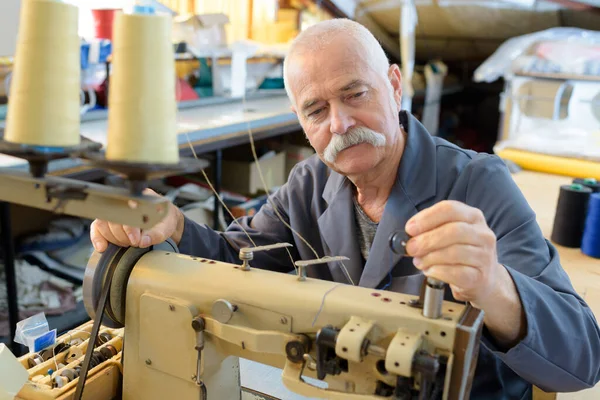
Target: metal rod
217	179
434	298
9	266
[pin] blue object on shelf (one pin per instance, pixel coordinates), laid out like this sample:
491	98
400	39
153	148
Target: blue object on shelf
85	55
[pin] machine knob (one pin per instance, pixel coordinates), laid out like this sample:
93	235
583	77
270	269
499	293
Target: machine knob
398	242
222	310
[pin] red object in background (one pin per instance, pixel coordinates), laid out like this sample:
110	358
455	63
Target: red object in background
184	91
103	20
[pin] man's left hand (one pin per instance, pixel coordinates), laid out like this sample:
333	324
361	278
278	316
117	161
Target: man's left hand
452	242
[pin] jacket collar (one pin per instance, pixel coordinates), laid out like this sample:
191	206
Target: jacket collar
415	183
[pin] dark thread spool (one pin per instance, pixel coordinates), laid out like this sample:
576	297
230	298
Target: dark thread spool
592	183
590	243
571	210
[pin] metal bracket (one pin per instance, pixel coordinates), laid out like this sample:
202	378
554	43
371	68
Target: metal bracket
64	192
305	263
89	200
247	253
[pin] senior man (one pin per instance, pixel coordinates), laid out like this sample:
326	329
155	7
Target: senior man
378	171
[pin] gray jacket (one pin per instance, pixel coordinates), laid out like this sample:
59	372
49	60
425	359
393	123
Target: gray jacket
561	350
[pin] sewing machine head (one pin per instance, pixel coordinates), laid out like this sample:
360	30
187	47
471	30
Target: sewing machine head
187	320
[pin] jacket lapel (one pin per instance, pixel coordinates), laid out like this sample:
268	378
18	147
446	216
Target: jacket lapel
338	228
398	210
415	183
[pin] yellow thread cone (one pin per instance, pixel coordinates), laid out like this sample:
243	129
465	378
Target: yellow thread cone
44	102
142	125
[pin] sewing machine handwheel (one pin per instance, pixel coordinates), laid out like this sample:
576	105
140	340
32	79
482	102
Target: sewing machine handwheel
96	274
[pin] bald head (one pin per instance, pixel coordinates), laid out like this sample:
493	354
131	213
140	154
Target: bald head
316	39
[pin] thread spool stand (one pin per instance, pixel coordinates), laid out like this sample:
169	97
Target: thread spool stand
38	157
138	174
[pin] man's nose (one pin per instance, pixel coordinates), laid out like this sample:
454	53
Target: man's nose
341	119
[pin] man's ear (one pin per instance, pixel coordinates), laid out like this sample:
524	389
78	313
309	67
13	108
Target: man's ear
395	77
293	108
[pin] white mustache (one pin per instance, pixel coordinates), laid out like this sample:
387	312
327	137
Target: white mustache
353	137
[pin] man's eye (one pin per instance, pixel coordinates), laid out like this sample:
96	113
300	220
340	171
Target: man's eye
357	95
315	113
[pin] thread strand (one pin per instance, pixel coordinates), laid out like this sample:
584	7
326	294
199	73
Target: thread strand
217	194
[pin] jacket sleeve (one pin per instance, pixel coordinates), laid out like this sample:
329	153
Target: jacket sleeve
264	228
561	349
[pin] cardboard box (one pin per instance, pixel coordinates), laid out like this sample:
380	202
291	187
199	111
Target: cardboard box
201	33
249	208
295	154
242	176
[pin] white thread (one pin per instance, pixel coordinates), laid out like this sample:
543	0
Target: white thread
54	358
347	274
217	194
323	303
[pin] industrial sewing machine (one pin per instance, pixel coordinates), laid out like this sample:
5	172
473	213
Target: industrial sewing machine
187	320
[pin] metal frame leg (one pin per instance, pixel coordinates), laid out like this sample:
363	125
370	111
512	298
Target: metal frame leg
9	267
217	184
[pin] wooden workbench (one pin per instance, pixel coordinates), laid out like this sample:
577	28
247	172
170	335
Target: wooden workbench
541	191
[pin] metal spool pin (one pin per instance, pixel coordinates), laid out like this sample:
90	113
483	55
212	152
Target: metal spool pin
433	295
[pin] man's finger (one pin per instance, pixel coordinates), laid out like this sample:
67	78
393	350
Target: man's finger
459	254
442	213
442	237
150	192
152	237
104	230
98	241
119	233
465	278
134	234
458	293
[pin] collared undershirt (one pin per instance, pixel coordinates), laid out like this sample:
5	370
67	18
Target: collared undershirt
366	229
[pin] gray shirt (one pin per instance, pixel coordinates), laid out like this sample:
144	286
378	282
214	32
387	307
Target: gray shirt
366	229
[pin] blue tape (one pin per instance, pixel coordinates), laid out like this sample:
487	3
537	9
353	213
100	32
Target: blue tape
48	149
46	340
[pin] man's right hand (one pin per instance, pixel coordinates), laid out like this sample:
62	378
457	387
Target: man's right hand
102	232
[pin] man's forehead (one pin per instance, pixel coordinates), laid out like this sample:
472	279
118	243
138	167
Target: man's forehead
325	70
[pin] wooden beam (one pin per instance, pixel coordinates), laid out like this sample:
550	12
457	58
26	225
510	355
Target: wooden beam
332	9
390	44
577	5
